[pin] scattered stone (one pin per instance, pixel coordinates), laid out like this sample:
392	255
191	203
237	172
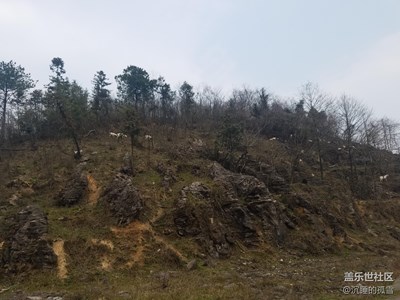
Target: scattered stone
125	295
394	232
19	182
14	199
197	189
168	173
198	142
230	286
191	265
127	167
164	279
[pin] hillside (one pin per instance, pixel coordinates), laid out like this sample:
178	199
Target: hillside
176	224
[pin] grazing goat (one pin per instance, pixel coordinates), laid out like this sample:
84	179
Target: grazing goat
383	178
121	135
118	135
149	139
77	154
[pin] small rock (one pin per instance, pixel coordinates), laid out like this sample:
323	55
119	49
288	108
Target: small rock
14	199
209	262
192	265
124	294
230	286
164	278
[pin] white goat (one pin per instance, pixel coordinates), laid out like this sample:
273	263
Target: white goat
149	139
383	178
121	135
118	135
76	156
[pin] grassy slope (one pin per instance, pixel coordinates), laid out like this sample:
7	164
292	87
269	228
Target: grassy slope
96	270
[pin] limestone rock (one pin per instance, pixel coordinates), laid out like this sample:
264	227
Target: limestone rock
27	245
123	199
74	190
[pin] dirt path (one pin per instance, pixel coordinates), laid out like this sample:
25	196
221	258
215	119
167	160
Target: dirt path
58	248
137	231
105	261
106	243
94	190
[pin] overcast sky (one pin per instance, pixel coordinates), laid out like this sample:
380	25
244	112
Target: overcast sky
350	46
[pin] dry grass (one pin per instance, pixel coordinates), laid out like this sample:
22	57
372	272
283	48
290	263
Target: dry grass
106	262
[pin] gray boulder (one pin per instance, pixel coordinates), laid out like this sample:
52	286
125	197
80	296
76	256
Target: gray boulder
27	246
123	199
74	190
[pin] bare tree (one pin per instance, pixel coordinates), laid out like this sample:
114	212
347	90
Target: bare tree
389	134
352	115
317	104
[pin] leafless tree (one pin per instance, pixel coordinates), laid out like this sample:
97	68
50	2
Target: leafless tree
389	134
352	115
317	104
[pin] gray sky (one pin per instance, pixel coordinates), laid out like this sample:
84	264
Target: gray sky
350	46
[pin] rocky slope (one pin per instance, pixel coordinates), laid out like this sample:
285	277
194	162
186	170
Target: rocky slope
172	210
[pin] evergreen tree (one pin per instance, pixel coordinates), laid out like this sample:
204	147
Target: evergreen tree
14	84
69	100
101	99
186	96
135	86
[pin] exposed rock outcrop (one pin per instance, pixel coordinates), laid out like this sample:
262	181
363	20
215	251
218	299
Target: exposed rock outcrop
242	185
122	199
74	190
27	246
265	173
168	173
240	210
195	215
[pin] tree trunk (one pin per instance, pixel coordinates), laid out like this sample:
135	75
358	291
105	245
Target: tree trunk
3	119
71	128
321	166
